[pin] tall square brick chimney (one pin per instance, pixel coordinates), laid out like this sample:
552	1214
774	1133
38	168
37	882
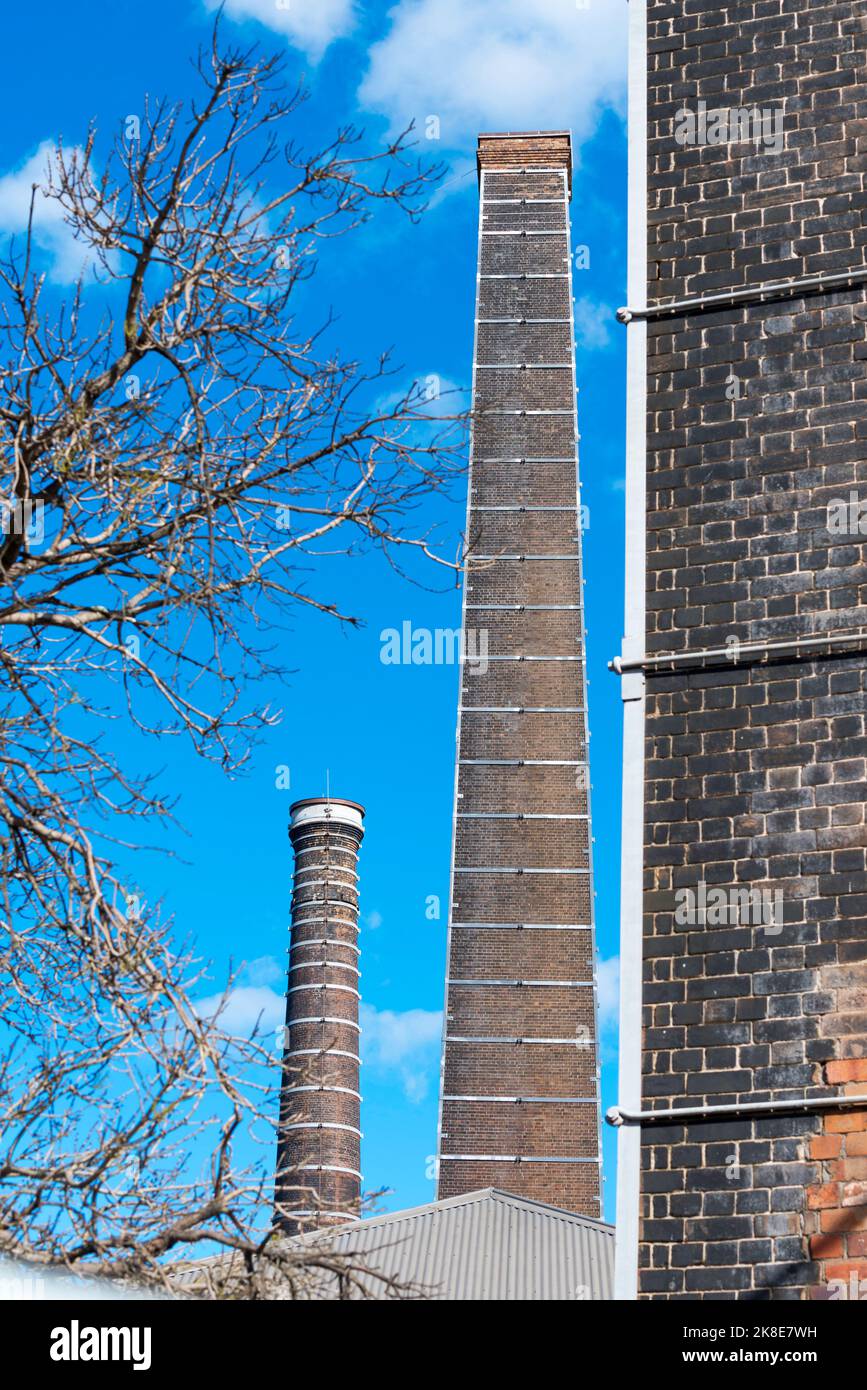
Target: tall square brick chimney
519	1106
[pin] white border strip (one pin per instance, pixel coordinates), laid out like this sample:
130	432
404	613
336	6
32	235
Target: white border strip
632	847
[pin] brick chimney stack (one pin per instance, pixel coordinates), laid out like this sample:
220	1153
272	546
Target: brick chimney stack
318	1165
520	1102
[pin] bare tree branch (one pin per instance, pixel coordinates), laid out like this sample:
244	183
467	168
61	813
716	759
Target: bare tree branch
179	454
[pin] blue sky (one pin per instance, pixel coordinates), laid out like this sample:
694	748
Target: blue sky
383	734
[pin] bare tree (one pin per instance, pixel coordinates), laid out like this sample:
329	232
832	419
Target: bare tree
182	448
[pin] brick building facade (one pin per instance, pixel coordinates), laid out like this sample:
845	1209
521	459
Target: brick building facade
755	754
519	1107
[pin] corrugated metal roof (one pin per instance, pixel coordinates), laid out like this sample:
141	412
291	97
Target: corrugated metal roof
484	1245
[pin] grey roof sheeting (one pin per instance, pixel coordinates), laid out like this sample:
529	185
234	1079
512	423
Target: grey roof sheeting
486	1245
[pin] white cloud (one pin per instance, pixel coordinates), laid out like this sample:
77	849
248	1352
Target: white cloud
406	1045
251	1005
51	234
517	64
264	970
434	396
245	1009
592	324
310	25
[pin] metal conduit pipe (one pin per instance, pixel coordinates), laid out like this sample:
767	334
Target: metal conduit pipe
750	294
617	1117
739	654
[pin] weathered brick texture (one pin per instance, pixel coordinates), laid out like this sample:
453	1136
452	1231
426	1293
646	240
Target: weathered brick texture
520	1088
535	1069
522	683
514	484
520	735
755	774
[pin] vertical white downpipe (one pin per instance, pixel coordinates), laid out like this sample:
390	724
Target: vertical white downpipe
632	684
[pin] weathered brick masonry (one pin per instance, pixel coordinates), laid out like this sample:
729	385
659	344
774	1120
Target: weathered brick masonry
520	1090
318	1161
755	771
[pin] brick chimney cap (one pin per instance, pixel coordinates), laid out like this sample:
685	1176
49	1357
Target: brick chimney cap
502	150
325	801
521	134
325	808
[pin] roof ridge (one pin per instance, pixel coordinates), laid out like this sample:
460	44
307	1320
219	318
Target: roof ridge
498	1194
594	1221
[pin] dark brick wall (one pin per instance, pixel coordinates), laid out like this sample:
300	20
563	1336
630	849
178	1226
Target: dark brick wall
520	1100
757	419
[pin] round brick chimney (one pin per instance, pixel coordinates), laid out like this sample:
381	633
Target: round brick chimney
319	1143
